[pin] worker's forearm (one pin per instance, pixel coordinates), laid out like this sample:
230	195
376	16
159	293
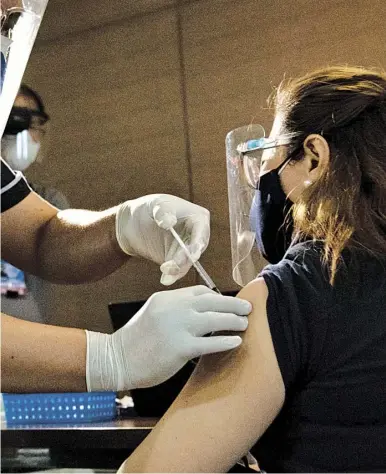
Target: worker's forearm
40	358
78	246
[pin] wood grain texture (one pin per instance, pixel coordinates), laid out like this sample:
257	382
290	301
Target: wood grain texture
115	95
116	133
71	17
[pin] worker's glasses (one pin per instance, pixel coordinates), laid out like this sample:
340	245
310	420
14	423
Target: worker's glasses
22	118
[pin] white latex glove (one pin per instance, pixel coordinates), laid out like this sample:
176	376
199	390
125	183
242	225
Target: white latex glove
162	337
142	231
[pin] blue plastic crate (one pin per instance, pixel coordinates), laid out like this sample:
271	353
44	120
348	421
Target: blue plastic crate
55	408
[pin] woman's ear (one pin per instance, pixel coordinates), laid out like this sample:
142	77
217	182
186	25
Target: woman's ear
317	155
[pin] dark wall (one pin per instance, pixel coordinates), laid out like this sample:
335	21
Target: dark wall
141	96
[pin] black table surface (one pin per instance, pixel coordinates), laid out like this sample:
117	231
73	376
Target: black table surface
117	434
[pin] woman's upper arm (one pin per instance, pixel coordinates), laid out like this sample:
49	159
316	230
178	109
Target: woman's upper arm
20	229
227	404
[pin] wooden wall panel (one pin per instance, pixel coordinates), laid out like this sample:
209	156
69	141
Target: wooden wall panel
116	133
114	93
234	53
68	17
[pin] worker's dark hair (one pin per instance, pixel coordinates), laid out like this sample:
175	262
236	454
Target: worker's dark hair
26	91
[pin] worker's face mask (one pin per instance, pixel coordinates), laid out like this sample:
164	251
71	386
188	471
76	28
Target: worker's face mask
19	150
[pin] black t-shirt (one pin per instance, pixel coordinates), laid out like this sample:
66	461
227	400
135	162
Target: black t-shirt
14	187
330	342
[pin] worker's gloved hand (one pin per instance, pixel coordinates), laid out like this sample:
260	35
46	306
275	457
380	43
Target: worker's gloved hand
142	230
162	337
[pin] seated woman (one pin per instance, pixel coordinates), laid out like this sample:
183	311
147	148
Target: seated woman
306	391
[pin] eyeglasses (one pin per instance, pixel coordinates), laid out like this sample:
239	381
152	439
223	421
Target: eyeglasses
22	118
251	153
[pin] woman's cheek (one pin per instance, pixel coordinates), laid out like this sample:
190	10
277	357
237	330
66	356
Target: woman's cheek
292	182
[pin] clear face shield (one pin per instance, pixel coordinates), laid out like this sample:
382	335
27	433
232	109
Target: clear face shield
20	21
244	151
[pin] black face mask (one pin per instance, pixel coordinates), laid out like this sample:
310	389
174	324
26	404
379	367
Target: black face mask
271	217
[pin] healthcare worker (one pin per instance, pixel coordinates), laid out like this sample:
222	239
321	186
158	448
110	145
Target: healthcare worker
20	148
76	246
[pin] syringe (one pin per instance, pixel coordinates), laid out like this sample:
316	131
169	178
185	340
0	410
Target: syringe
197	265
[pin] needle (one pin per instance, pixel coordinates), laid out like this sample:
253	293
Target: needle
197	265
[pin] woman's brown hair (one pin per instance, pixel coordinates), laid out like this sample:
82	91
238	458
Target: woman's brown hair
346	206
